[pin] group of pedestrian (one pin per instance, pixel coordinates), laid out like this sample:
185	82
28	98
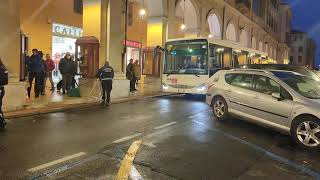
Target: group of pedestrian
40	71
133	74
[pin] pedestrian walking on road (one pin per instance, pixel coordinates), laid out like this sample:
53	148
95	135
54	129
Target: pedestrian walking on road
136	72
3	81
50	67
67	69
36	68
106	75
130	76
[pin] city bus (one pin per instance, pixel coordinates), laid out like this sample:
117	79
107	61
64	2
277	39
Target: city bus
189	63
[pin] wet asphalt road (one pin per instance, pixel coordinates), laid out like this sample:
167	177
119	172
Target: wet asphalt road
181	140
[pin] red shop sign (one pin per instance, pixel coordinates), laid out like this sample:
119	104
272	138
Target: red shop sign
133	44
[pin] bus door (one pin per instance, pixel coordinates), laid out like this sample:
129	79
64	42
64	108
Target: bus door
215	59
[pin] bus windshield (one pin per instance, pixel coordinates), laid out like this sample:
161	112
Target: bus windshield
186	57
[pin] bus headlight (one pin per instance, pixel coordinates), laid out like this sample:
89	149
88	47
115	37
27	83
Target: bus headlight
165	86
202	88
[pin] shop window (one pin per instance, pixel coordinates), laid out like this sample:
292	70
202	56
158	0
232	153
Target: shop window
78	6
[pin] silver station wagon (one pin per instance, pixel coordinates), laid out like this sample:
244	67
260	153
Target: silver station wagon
283	100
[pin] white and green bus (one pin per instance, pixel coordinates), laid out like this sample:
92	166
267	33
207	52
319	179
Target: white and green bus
189	63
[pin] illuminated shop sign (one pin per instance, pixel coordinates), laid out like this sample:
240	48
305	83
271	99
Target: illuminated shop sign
67	31
133	44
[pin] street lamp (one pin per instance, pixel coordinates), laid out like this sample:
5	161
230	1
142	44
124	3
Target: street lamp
210	36
183	27
142	13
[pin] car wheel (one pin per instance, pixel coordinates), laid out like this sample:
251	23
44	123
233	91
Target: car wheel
306	132
220	108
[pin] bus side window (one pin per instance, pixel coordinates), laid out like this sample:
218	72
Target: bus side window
214	63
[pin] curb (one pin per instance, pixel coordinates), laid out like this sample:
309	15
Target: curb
63	108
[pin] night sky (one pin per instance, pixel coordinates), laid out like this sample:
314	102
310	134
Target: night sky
307	18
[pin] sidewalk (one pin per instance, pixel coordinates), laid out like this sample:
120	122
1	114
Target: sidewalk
56	102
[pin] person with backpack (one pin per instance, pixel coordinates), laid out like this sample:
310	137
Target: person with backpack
3	81
105	75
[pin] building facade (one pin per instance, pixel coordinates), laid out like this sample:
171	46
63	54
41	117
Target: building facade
302	49
140	25
51	26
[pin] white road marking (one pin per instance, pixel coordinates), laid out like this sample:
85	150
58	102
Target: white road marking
165	125
58	161
126	138
199	114
193	116
150	144
134	174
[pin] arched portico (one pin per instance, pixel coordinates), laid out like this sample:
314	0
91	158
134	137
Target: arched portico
260	46
187	14
244	37
254	43
214	25
231	33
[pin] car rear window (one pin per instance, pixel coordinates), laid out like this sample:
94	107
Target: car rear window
239	80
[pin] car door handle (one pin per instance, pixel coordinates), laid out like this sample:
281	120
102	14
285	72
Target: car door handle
228	90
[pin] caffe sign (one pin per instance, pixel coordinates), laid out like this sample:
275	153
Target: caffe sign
66	31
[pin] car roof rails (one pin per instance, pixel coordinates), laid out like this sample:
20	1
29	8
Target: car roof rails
254	70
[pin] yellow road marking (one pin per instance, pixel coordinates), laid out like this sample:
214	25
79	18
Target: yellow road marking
126	163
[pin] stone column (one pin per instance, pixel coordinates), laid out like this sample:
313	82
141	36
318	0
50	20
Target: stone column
115	36
156	31
104	19
10	37
173	21
95	23
10	52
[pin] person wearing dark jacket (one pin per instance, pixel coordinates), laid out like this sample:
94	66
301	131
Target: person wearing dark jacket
43	75
3	82
67	68
130	76
105	75
36	68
